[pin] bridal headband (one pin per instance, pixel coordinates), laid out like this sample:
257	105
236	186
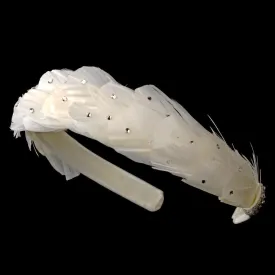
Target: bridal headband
144	125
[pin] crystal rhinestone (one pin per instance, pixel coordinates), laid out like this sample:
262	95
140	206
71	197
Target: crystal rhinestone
83	81
89	115
127	130
31	110
64	98
113	96
109	117
50	81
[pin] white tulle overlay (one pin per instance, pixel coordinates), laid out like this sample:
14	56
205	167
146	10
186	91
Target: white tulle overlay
144	125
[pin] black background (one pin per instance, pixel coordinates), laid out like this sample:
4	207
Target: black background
221	69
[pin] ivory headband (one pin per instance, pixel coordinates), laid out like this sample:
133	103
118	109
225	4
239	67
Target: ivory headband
144	125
